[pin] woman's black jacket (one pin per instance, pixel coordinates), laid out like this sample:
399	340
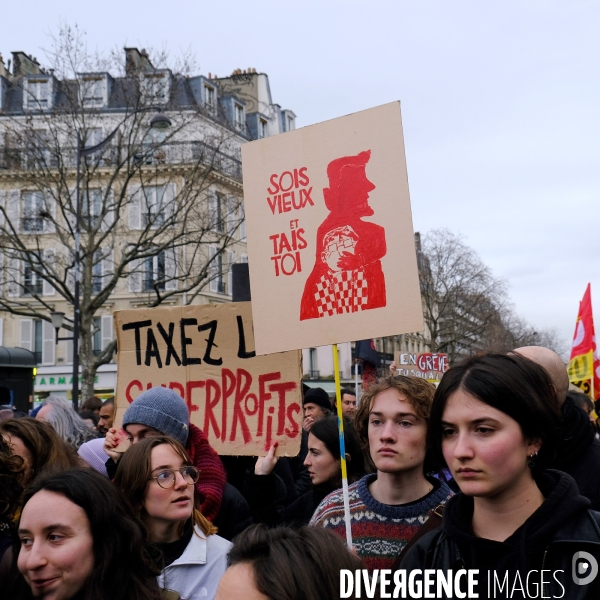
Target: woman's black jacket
549	540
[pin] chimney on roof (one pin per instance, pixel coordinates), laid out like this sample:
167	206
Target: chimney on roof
25	65
3	70
136	61
418	241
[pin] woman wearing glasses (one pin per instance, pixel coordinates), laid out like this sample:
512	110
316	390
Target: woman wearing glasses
157	477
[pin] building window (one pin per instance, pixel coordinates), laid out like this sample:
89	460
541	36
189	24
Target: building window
37	150
263	128
313	364
290	123
156	88
92	92
209	96
92	206
217	209
154	272
239	117
33	284
97	336
38	93
153	215
217	281
97	272
33	210
38	340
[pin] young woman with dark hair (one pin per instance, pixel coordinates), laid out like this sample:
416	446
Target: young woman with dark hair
495	423
39	445
286	564
78	540
264	491
157	477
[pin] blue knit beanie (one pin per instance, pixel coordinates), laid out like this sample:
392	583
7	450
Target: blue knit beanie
163	409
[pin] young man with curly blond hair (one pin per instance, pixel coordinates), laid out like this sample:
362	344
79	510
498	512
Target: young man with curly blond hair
388	507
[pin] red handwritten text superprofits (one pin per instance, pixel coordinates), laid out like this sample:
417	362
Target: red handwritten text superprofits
228	403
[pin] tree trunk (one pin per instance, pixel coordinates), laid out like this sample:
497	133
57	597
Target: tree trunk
86	358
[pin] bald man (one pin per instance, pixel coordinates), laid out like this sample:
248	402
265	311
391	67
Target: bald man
578	453
554	366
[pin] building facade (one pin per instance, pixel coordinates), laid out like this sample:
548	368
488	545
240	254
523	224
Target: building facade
161	214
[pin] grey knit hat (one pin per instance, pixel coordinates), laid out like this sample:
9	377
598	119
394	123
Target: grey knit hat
163	409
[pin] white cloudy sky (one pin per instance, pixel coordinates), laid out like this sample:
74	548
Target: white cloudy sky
500	102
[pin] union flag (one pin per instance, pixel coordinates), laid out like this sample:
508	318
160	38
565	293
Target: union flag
584	365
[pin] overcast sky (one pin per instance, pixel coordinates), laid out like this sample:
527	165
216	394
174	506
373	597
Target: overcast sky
500	104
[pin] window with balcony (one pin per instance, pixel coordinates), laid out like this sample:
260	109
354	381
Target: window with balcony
32	220
154	272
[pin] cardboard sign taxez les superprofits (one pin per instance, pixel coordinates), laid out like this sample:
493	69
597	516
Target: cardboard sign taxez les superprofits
330	238
242	402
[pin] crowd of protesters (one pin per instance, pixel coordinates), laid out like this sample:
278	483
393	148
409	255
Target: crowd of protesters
497	469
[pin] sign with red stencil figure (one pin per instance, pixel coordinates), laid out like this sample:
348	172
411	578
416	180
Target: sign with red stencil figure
330	240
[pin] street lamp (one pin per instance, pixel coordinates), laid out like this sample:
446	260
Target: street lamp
56	319
159	121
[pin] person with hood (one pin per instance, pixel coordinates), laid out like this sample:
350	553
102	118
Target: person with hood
159	411
495	423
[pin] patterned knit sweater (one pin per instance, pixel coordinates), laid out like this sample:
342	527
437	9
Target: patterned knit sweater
379	531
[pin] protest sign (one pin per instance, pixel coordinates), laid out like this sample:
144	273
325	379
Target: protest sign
242	402
425	365
330	239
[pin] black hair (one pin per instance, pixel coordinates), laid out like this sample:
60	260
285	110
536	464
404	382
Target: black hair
511	383
122	569
582	400
349	392
109	402
326	430
88	414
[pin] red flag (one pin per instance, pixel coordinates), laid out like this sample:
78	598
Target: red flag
584	366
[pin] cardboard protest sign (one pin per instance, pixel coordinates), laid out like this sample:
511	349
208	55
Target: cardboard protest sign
242	402
425	365
330	238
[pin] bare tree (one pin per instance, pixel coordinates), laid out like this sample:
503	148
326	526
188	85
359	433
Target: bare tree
461	297
466	308
158	209
509	331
